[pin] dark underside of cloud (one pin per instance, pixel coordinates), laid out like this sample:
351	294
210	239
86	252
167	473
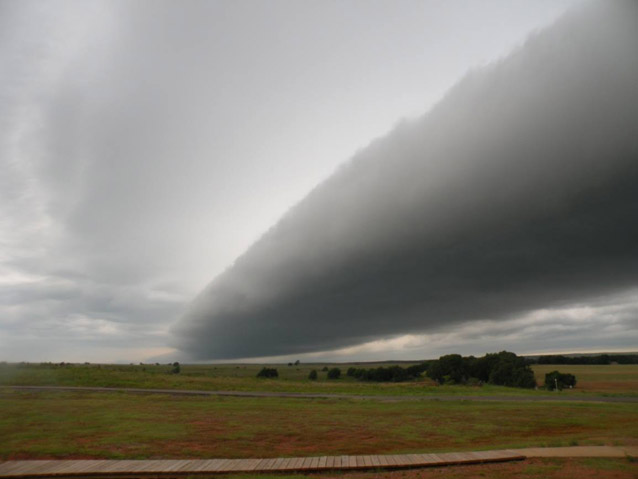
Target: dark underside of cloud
518	191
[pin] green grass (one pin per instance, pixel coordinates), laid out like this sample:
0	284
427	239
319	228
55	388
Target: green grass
616	380
120	425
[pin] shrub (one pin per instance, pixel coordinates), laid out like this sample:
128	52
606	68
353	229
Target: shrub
268	373
176	368
334	373
559	380
313	375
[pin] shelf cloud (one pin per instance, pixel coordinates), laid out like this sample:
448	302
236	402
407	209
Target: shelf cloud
517	191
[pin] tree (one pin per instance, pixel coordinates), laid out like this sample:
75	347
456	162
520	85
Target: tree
313	375
176	368
557	380
268	373
334	373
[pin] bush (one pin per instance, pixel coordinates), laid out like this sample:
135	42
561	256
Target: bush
313	375
325	368
334	373
268	373
559	380
176	368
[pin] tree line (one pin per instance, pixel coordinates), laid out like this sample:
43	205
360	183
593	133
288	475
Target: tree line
503	369
592	360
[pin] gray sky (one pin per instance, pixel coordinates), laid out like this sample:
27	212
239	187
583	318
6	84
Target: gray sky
145	146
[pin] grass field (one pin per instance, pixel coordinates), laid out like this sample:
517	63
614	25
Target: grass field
613	378
607	380
119	425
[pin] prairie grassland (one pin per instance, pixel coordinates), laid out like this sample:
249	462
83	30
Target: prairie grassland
120	425
608	380
601	379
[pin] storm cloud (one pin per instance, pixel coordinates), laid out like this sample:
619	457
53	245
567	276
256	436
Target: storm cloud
516	192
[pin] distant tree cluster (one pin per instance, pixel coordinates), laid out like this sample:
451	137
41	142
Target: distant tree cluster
502	369
268	373
598	359
556	380
390	374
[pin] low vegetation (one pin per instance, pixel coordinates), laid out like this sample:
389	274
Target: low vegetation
557	380
268	373
117	425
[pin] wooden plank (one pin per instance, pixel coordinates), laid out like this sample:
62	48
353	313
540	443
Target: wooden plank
314	463
278	464
57	466
261	464
251	464
27	467
229	465
306	463
212	465
322	462
144	466
270	464
221	467
427	459
296	463
391	459
406	460
330	462
206	465
366	461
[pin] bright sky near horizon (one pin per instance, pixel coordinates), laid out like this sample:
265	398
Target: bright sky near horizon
146	145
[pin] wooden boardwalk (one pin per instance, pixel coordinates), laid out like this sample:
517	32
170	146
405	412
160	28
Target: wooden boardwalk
176	467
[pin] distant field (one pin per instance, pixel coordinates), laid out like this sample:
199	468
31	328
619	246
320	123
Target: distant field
613	378
120	425
609	380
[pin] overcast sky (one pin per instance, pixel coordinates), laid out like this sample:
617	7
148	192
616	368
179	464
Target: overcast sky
145	146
